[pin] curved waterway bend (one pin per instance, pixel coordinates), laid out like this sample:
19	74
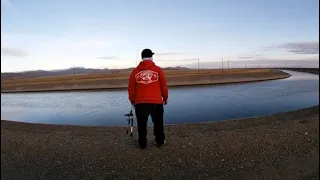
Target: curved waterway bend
186	104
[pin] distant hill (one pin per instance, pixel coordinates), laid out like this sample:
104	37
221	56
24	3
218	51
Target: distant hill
176	68
257	64
69	71
59	72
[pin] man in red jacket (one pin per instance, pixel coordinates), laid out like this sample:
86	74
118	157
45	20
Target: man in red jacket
148	92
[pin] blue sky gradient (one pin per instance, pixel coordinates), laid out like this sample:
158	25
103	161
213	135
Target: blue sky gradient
60	34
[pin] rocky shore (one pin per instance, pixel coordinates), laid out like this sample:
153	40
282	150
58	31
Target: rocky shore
280	146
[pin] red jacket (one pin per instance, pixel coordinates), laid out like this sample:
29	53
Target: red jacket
147	84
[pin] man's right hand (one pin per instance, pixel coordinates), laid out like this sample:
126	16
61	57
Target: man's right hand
165	102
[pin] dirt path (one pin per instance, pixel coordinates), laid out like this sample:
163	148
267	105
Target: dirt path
282	146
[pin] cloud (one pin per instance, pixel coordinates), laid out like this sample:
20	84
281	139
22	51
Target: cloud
47	52
8	4
250	56
245	57
298	47
266	63
167	53
302	47
13	52
108	57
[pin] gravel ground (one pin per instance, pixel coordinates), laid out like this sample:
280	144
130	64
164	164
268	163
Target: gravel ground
281	146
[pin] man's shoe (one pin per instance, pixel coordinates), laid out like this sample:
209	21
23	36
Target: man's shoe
141	146
164	143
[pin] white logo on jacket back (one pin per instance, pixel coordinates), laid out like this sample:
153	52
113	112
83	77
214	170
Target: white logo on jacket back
146	77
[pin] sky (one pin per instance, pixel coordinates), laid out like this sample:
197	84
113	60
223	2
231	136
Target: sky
56	34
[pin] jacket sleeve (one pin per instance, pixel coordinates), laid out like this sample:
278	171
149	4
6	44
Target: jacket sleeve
163	85
132	86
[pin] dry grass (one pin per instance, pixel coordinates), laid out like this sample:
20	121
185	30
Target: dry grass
123	75
120	80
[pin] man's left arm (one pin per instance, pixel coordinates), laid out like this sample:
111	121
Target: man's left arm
163	86
132	88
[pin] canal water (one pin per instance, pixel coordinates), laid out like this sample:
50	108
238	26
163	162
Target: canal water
186	104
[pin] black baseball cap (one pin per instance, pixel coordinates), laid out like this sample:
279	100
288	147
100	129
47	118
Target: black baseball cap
147	53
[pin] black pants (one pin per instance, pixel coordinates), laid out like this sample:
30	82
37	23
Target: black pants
156	111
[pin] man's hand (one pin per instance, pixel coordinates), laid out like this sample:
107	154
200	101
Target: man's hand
165	102
132	102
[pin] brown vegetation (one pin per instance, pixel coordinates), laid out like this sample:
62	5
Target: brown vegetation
120	80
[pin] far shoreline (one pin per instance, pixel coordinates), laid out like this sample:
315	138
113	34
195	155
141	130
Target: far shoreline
208	80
